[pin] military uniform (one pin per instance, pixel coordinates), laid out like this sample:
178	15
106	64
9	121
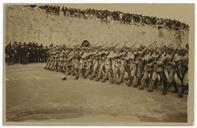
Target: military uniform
182	71
170	72
140	70
147	71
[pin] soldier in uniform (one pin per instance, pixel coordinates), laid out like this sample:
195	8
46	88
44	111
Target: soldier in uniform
61	61
157	67
108	67
115	68
170	70
76	64
95	66
148	66
69	65
126	77
122	67
182	70
89	66
140	69
133	70
101	67
83	64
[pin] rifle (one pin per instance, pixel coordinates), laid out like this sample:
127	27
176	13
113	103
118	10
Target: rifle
113	47
132	45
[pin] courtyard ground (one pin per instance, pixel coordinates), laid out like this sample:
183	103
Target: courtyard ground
35	94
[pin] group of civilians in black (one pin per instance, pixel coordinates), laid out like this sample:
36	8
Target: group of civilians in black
106	15
25	53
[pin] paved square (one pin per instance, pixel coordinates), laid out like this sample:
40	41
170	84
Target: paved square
36	94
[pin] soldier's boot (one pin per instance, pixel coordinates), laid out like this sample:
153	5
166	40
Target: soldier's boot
137	82
87	73
92	76
98	77
143	84
156	84
151	86
64	78
62	68
116	80
104	78
165	89
46	66
80	72
120	79
182	90
93	73
175	87
53	67
127	82
76	76
131	80
111	81
186	89
50	67
58	68
84	73
110	78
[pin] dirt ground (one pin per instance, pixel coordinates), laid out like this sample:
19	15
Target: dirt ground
36	94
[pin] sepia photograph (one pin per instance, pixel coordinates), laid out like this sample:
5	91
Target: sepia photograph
98	64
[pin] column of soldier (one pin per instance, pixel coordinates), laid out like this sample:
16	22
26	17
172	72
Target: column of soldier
24	53
143	68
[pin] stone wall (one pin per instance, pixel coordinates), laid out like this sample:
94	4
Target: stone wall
25	24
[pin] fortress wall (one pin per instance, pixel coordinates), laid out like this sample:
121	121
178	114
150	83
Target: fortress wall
27	24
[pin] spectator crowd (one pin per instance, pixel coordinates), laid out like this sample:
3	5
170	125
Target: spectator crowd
106	15
24	53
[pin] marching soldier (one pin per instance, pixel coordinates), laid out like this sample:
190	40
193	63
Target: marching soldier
182	70
95	66
101	67
148	66
122	62
140	69
170	71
